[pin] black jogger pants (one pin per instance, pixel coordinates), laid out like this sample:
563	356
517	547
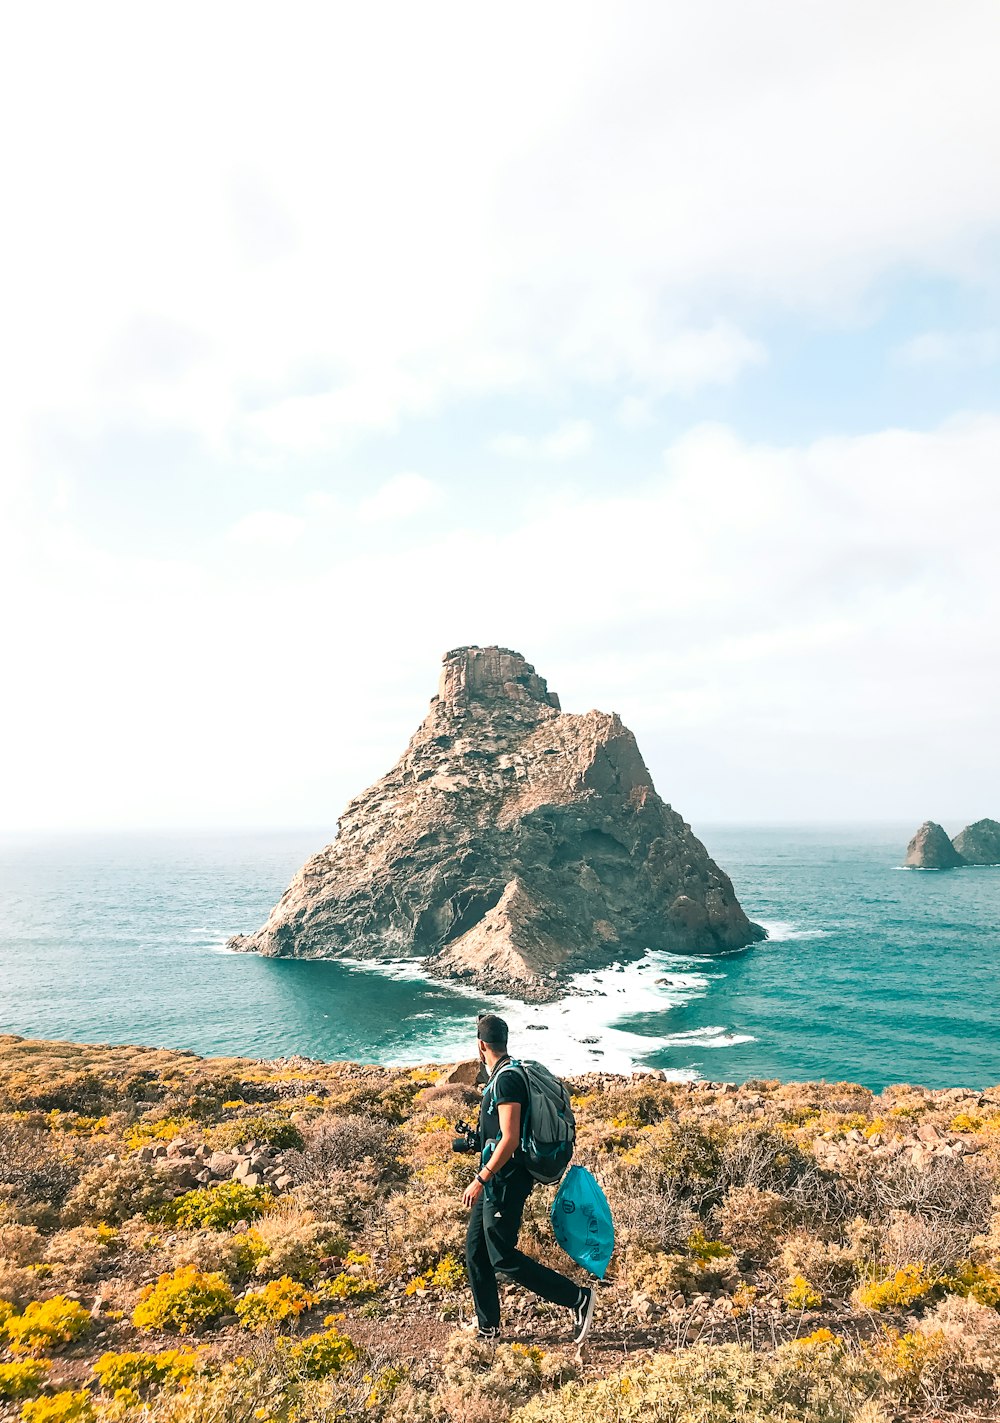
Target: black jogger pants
491	1250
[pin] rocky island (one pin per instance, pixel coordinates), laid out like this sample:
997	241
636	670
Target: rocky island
930	849
977	844
512	845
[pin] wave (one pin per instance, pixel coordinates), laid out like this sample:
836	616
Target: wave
780	931
709	1037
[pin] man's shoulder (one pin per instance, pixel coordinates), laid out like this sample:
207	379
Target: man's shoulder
511	1084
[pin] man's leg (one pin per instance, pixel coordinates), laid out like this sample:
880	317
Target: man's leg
482	1277
501	1224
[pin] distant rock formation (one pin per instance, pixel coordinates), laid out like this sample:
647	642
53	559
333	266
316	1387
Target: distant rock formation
930	849
979	843
512	845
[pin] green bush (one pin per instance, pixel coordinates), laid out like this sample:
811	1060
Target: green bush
317	1356
67	1407
277	1301
906	1287
184	1301
216	1207
128	1376
46	1324
267	1129
23	1379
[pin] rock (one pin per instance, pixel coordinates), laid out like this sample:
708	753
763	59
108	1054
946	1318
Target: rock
221	1163
930	849
512	845
464	1074
979	843
253	1178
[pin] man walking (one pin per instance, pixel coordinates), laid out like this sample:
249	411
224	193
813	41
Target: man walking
497	1196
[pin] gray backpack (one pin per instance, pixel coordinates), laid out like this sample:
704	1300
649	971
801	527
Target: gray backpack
548	1128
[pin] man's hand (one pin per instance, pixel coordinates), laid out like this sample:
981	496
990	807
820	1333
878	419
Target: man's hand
472	1193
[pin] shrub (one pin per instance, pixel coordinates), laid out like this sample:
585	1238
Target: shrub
267	1129
906	1287
978	1282
345	1286
21	1244
32	1167
800	1294
73	1257
294	1243
340	1143
277	1301
317	1356
67	1407
482	1381
830	1268
23	1379
114	1191
448	1274
425	1226
164	1129
45	1324
216	1207
129	1376
234	1256
705	1384
186	1300
751	1219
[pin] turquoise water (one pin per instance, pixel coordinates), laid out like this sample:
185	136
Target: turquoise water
872	973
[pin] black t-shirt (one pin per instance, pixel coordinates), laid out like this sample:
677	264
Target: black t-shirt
506	1084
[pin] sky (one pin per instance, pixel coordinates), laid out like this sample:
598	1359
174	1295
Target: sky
658	342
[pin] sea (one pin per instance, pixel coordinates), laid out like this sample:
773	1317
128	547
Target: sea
871	973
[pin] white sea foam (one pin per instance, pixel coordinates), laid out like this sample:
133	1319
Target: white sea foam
583	1031
708	1037
779	931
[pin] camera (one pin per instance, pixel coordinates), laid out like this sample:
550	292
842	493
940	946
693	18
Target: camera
466	1139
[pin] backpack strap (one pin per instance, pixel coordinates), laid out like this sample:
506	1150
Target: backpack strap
516	1066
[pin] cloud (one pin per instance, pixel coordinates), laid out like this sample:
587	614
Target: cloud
566	441
401	497
661	191
634	412
951	348
798	630
267	528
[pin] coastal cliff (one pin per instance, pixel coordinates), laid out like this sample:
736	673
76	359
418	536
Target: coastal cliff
512	845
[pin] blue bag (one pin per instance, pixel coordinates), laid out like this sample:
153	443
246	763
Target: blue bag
581	1220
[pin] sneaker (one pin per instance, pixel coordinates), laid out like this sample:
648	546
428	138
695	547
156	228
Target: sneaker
583	1314
472	1326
